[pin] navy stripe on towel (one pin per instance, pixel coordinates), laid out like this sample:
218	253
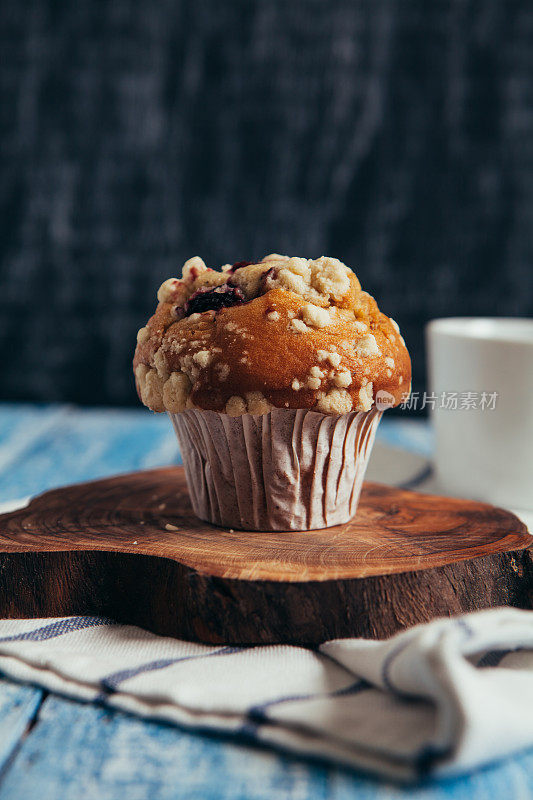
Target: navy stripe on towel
257	714
386	668
493	658
111	682
58	628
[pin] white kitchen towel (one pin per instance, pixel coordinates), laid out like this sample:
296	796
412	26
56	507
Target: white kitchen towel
439	699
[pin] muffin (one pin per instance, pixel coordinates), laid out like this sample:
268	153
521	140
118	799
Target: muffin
275	375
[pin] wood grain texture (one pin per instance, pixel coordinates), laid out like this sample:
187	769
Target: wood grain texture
130	547
109	753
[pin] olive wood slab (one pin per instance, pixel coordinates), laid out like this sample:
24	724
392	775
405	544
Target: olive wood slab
130	547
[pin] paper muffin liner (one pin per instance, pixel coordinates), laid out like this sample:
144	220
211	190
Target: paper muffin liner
286	470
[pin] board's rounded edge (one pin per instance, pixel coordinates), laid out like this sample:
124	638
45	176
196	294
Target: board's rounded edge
514	537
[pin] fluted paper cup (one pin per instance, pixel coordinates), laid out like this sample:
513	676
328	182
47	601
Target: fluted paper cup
286	470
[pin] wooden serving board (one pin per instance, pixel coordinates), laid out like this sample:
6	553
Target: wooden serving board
131	548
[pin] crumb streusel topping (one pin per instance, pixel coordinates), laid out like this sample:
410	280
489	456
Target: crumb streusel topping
283	332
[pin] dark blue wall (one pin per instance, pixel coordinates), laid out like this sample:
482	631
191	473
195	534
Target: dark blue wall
397	136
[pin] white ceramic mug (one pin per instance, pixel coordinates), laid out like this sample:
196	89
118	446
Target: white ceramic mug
484	441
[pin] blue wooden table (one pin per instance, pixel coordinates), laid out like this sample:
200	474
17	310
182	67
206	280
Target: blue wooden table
52	748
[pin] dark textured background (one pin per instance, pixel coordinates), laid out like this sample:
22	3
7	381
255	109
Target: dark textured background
397	136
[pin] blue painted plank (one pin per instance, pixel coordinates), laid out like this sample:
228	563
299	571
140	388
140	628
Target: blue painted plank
82	751
42	447
108	755
18	707
78	444
20	426
407	434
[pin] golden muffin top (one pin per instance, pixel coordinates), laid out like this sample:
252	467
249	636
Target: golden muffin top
281	333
